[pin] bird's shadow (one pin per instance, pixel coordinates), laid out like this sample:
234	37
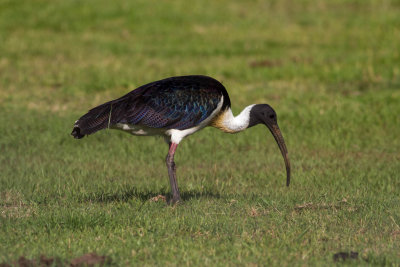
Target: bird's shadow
134	193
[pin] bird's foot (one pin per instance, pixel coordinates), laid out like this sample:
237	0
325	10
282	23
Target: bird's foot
174	200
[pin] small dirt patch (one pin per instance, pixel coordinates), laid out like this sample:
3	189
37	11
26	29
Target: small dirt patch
343	256
266	63
42	261
90	259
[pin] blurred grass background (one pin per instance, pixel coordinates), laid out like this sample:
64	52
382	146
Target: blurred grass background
331	70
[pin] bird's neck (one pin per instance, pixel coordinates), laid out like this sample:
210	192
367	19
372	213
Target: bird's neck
233	124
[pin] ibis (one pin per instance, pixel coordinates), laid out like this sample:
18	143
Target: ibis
174	108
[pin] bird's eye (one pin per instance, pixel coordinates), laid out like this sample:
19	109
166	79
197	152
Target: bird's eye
272	116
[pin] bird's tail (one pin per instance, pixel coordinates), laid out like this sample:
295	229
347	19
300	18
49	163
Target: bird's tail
98	118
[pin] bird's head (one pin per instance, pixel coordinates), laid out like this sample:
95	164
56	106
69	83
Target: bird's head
265	114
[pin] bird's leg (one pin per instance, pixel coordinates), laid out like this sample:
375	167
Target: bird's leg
172	173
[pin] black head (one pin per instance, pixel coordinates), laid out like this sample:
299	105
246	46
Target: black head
262	113
265	114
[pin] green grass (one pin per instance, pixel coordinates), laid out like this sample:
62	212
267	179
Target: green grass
331	70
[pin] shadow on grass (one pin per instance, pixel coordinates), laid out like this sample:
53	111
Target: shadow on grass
134	193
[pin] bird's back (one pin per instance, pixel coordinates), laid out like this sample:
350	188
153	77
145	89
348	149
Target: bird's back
174	103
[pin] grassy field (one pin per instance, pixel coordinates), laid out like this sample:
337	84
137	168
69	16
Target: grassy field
331	70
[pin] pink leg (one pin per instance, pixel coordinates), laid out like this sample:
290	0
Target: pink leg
172	173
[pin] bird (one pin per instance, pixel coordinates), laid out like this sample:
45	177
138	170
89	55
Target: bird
175	108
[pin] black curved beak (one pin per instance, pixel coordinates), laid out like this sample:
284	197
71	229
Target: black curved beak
276	132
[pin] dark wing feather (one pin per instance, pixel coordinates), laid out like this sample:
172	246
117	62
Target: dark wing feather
173	103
